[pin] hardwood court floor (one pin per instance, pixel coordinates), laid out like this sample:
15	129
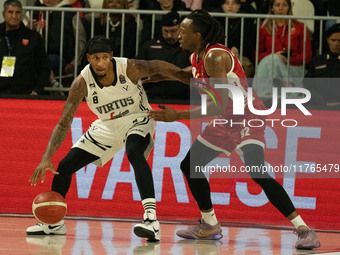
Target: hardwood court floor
116	237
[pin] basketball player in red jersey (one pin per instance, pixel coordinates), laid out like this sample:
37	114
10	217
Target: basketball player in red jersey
202	34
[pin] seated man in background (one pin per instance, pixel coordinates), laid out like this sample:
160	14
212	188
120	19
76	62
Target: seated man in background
167	49
24	66
157	5
327	65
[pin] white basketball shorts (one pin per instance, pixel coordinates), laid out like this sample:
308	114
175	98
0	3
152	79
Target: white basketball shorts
105	138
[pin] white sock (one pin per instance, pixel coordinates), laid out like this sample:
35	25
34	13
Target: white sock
210	217
298	221
149	205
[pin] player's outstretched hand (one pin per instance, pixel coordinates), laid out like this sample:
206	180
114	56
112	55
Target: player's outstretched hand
168	114
40	170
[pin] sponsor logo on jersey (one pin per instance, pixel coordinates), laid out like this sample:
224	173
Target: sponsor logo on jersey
119	115
117	104
94	93
122	79
126	87
92	85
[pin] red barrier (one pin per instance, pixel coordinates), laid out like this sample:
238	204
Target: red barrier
110	191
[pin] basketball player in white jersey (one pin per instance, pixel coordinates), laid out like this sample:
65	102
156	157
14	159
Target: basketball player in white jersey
202	34
113	91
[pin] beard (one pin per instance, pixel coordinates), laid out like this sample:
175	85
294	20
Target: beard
170	41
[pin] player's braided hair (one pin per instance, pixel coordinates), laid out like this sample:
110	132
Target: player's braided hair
94	44
211	30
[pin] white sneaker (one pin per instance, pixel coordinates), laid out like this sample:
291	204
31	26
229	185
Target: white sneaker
42	229
55	84
149	229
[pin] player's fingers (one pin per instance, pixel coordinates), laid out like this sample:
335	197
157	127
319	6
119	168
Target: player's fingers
151	113
33	179
42	176
154	113
54	171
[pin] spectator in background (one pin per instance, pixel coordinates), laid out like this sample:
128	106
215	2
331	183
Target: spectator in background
168	49
54	32
246	5
24	65
73	3
234	34
326	66
157	5
193	4
115	28
275	65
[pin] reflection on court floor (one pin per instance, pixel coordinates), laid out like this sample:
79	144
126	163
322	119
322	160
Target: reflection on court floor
117	237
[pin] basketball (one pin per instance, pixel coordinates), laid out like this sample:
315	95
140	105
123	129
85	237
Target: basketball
49	207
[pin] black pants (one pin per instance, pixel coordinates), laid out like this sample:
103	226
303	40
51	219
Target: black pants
78	158
253	155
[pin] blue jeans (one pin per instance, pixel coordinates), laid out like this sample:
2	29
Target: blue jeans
54	60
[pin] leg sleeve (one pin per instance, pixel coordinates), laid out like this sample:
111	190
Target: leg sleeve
73	161
199	155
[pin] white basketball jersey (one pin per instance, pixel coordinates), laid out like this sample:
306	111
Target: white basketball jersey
121	99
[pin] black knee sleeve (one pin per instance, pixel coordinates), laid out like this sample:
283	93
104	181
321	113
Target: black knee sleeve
135	147
73	161
198	155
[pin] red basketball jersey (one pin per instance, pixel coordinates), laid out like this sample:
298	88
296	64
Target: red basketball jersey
236	73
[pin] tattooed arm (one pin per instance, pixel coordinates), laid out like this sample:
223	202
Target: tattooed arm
78	91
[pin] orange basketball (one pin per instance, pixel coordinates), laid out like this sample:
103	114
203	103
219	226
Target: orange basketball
49	207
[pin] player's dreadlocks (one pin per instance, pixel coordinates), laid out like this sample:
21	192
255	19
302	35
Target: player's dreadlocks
96	44
210	29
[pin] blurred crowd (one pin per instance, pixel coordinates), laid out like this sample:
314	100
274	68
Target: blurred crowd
284	52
